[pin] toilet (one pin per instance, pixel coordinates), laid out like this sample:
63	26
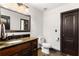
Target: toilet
44	46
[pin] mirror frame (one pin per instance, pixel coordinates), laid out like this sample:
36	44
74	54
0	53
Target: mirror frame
19	24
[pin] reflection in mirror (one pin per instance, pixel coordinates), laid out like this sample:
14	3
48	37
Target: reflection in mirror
6	21
24	25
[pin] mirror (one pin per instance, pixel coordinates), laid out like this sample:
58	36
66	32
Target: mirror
15	21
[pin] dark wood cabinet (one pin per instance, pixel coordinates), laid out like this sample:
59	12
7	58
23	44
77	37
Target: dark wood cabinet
34	48
25	49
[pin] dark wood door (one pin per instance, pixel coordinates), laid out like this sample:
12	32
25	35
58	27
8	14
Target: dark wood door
69	33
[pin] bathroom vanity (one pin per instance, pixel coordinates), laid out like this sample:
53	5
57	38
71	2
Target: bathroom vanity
26	46
16	43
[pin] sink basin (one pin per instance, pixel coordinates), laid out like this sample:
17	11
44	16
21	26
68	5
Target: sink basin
2	43
6	43
9	43
14	41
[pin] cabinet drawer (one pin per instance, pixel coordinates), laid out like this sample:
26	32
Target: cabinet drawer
14	49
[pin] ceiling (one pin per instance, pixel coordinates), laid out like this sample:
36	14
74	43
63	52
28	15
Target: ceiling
46	6
40	6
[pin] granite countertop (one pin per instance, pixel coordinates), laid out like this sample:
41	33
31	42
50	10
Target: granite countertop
4	44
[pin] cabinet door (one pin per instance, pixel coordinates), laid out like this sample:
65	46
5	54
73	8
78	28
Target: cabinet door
34	44
25	52
34	47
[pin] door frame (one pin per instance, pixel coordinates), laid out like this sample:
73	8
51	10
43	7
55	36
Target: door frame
61	27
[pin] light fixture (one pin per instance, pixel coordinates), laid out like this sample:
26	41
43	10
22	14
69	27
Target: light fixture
19	7
21	4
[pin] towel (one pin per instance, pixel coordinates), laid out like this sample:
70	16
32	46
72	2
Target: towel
4	31
3	35
0	30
